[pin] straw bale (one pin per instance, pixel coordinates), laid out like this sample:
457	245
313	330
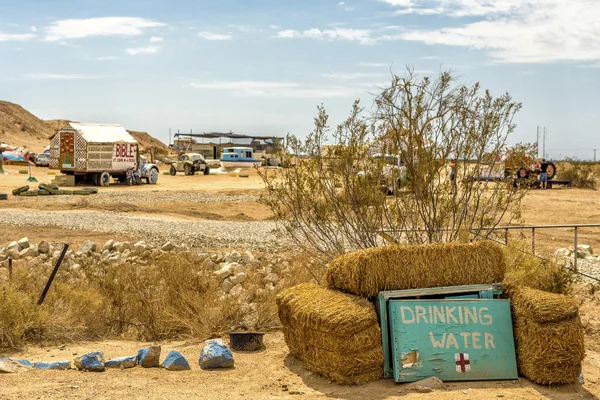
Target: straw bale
542	306
359	379
367	272
327	311
549	353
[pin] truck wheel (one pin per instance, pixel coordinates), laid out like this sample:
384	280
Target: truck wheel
173	170
207	170
189	170
551	171
152	178
104	179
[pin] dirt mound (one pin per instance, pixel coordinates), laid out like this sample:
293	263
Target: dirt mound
146	142
19	127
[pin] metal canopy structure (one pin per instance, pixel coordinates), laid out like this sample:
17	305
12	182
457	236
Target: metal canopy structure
228	135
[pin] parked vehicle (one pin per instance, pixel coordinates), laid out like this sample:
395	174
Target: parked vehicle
189	164
42	160
239	157
97	153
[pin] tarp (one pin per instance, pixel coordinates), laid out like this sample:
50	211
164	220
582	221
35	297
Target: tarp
102	133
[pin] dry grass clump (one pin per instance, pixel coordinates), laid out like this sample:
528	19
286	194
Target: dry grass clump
337	335
367	272
549	336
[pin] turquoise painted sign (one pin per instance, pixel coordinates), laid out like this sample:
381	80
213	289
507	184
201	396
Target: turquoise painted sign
454	340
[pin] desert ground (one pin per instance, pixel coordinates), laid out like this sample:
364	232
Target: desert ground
224	211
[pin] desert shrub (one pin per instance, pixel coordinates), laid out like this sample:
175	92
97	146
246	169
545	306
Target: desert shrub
581	175
525	269
18	316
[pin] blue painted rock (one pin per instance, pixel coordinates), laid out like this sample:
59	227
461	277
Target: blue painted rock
122	362
52	365
148	357
92	361
10	365
215	354
175	361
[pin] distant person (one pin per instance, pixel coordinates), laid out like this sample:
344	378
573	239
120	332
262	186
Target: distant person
453	173
543	174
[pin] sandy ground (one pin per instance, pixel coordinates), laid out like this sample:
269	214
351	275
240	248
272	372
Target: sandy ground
267	374
270	373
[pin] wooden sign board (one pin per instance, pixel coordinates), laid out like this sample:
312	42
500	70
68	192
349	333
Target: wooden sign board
454	340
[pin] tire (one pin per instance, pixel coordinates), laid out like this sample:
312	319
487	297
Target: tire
46	188
95	180
20	190
551	171
91	190
53	186
30	193
23	171
207	170
173	170
189	170
152	178
43	192
3	196
104	179
523	173
82	192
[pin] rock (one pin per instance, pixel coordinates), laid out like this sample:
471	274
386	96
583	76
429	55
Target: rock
88	247
29	252
227	285
52	365
139	248
24	243
237	279
239	268
272	278
36	261
167	246
209	264
12	366
233	257
148	357
14	245
215	354
226	271
92	361
108	246
247	257
175	361
425	386
122	362
44	247
584	251
236	290
13	253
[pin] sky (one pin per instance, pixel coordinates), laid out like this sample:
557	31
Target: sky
263	66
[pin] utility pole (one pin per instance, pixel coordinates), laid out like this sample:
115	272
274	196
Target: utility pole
544	143
538	140
594	155
169	136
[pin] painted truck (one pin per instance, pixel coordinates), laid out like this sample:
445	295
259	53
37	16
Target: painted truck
97	153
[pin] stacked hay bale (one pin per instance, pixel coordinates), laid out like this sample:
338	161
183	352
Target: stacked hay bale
365	273
336	335
549	336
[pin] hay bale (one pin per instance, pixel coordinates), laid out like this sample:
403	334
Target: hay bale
335	334
542	306
549	337
549	353
367	272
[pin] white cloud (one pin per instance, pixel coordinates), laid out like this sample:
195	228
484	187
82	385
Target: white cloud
359	35
143	50
50	76
521	31
33	29
155	39
403	3
350	76
277	89
213	36
7	37
456	8
371	64
106	58
105	26
274	27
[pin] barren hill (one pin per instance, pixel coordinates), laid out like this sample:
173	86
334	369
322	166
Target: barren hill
19	127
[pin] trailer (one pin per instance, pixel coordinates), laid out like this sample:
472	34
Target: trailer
97	153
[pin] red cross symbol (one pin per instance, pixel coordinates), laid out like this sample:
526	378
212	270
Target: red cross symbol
462	362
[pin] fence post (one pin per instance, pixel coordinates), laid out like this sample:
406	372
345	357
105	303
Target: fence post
575	250
10	269
533	240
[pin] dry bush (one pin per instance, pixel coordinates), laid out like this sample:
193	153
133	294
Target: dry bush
524	269
581	175
174	296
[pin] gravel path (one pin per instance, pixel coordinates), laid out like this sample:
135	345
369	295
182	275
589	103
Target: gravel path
255	235
158	196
